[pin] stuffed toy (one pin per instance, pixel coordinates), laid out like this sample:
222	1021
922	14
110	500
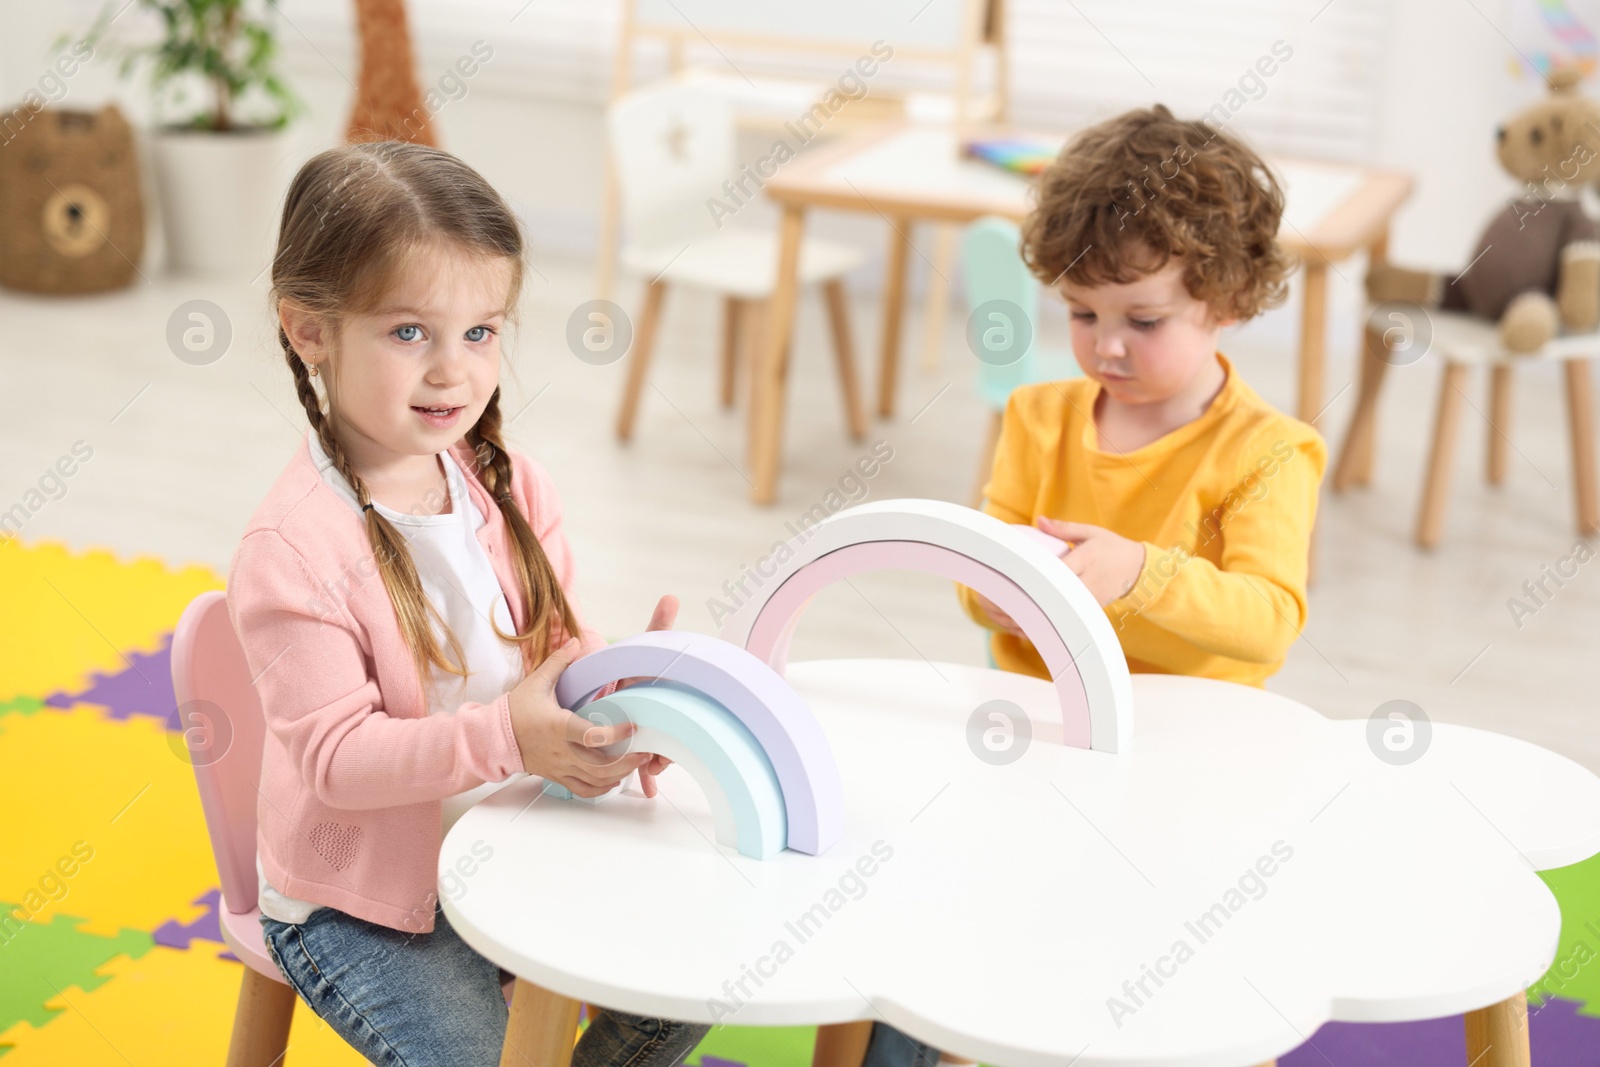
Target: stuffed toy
388	104
1536	269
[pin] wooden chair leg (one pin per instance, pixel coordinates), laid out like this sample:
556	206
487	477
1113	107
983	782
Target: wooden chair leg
1580	416
540	1028
1497	1036
842	1044
1355	461
986	460
844	354
1499	422
644	340
261	1021
732	308
1436	490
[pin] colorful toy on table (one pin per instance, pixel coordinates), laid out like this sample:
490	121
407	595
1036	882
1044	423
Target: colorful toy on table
1019	571
732	722
1020	155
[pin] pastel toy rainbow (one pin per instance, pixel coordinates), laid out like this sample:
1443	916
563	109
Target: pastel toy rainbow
719	752
778	749
1016	568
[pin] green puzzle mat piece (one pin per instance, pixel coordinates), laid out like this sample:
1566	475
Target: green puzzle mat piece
41	959
1575	975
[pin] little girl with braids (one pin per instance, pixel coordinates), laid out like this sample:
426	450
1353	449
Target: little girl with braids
403	599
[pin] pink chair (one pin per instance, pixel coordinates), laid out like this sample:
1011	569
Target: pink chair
224	730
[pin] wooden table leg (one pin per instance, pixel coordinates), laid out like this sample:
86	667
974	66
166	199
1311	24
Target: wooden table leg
855	418
261	1021
1355	461
540	1030
894	301
842	1044
1497	1036
1580	416
1436	489
766	408
1313	341
944	258
639	358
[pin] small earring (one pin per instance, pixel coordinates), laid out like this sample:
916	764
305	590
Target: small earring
313	369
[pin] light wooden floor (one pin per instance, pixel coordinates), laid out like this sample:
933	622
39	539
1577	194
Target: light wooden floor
182	455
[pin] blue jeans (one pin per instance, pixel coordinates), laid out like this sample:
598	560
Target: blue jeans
422	999
892	1048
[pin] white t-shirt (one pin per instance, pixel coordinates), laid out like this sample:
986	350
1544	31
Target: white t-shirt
460	582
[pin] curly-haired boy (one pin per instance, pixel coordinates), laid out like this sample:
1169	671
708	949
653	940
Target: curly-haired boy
1188	501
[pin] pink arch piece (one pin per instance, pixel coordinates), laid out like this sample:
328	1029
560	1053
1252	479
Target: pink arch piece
773	627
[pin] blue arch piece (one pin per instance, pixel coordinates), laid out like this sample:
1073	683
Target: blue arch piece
717	750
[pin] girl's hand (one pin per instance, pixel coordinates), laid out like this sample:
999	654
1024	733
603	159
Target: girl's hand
662	618
560	746
1108	563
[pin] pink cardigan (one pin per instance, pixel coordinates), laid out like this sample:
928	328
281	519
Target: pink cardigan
354	767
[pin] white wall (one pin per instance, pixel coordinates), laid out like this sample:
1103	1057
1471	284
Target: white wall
531	118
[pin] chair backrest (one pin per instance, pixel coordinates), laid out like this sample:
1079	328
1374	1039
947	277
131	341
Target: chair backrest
992	270
224	730
673	149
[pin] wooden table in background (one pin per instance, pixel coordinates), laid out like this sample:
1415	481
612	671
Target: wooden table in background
907	174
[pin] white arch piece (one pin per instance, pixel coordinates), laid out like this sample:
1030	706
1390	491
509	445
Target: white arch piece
1070	608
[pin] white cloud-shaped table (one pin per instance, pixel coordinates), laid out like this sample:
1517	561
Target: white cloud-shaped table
1003	911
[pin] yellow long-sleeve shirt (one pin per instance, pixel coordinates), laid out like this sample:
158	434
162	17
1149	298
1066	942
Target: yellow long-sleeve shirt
1224	506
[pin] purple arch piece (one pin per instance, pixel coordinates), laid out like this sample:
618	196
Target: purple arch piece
775	625
789	734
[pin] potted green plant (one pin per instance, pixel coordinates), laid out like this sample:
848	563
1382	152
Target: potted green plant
219	109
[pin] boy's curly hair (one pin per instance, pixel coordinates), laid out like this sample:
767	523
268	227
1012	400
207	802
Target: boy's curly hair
1125	196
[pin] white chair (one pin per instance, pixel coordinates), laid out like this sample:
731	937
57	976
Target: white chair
674	150
1463	343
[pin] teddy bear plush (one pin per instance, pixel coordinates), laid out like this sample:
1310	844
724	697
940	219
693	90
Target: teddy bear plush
1536	269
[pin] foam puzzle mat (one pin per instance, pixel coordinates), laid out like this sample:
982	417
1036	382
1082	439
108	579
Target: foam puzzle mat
122	961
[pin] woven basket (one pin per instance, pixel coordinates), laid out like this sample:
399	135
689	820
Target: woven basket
71	209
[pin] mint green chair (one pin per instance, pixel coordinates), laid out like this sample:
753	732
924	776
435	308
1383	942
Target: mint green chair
994	275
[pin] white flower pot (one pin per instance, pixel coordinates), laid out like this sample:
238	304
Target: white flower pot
219	198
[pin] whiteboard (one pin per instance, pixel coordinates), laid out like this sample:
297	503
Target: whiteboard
923	25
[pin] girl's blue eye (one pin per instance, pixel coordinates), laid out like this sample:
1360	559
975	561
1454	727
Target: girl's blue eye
476	329
412	326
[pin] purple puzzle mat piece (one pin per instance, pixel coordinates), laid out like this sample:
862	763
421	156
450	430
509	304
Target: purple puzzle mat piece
1557	1035
143	688
208	927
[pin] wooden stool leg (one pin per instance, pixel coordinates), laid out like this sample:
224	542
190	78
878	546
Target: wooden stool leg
639	359
1497	1036
842	1044
844	354
1499	422
261	1021
1436	490
1580	415
540	1029
767	375
732	307
1355	461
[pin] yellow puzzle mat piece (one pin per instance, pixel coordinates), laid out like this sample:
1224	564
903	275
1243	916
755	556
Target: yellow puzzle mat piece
81	784
168	1006
64	616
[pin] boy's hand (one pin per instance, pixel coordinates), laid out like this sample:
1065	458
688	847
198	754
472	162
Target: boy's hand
662	618
1108	563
